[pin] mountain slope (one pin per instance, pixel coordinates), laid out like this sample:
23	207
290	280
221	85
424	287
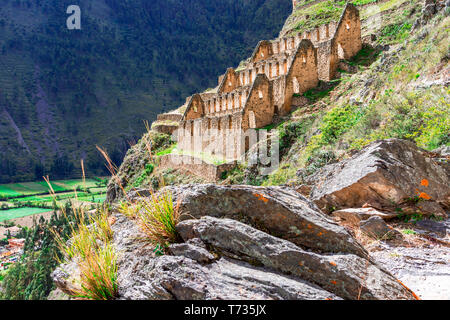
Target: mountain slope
67	91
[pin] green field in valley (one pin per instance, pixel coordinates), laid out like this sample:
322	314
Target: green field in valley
23	199
14	190
20	212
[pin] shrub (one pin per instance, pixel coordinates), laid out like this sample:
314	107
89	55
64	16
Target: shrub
338	121
148	170
99	274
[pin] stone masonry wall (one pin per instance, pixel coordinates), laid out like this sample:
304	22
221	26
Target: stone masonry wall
302	74
216	123
348	33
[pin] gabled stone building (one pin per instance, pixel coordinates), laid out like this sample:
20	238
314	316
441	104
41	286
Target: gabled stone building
249	97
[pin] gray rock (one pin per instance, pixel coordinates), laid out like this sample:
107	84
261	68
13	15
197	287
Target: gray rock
444	151
192	252
136	194
430	208
181	278
67	278
279	211
58	294
345	275
355	215
383	175
438	227
428	11
424	269
375	227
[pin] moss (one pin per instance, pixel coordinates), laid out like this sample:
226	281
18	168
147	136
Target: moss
234	176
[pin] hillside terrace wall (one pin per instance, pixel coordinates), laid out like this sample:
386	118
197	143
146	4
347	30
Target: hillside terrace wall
303	73
195	166
170	117
346	35
226	103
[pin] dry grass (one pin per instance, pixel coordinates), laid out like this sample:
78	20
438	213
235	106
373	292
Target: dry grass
90	245
99	274
157	217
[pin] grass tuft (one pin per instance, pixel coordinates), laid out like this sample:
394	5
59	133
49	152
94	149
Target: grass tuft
157	217
90	245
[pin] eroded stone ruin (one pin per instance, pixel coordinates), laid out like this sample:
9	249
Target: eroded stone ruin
265	86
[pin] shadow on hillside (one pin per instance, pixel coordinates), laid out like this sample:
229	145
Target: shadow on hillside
366	56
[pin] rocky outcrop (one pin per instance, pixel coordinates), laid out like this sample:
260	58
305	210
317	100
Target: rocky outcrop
192	272
279	211
242	242
390	175
345	275
429	9
227	259
133	165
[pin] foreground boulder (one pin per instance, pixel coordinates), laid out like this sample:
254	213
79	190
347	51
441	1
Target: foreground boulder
388	175
245	242
279	211
346	275
242	263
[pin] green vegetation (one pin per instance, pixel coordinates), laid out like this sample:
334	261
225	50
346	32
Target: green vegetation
422	117
15	190
324	12
91	245
165	123
408	231
365	57
29	279
335	123
167	151
363	2
30	198
147	172
317	93
6	215
157	217
385	99
394	33
234	176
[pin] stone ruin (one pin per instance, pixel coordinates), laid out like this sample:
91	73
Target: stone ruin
249	97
